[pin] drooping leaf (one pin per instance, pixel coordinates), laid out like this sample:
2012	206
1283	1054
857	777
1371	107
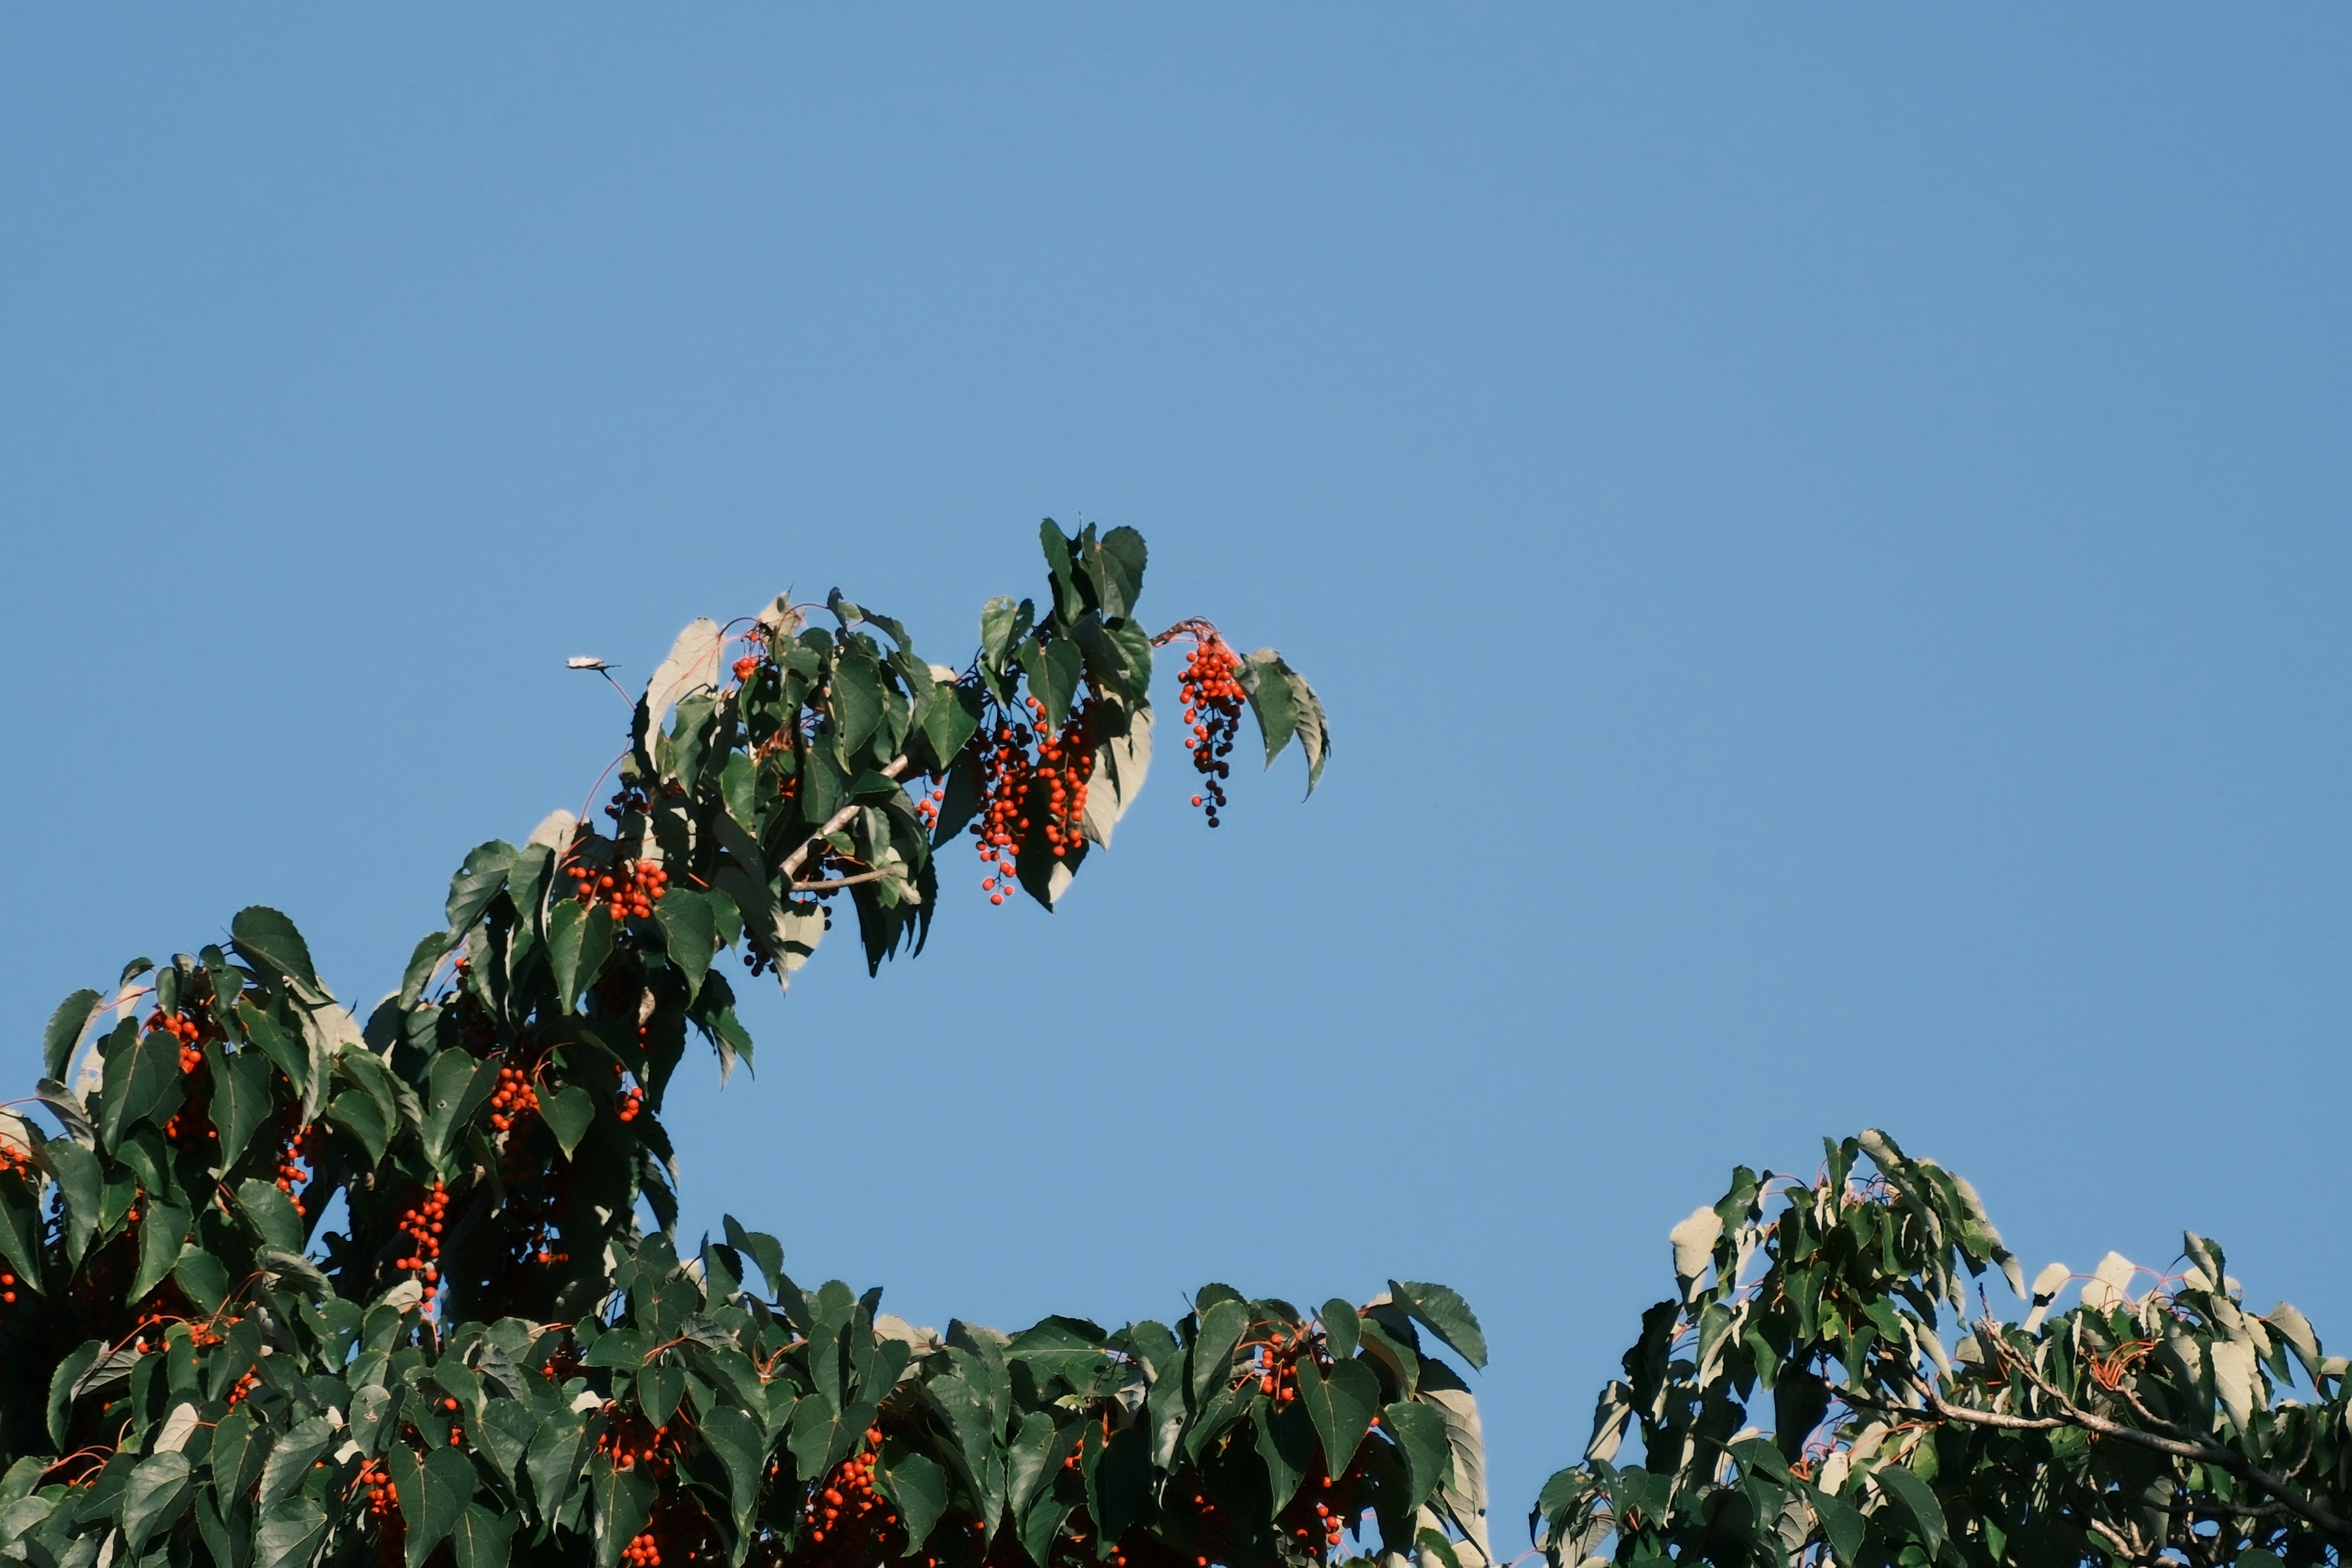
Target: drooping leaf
1445	1314
480	879
1918	1500
268	940
64	1030
479	1538
689	933
1341	1404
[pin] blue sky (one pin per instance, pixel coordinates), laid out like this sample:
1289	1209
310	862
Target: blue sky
1819	532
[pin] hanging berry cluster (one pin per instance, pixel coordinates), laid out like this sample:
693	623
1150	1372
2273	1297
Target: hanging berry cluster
189	1033
242	1390
7	1287
14	1161
927	808
1274	1364
513	1099
1065	763
634	890
1213	711
1004	774
632	1440
630	1102
294	1160
421	1223
627	801
845	1503
383	1497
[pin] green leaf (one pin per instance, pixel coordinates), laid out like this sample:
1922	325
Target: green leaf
1268	690
65	1029
272	1213
162	1228
456	1086
152	1500
1222	1326
742	1448
291	1056
477	883
918	1485
1841	1525
1419	1434
1054	669
554	1451
1119	561
241	1100
357	1113
1341	1403
290	1461
422	959
659	1388
1118	1474
268	940
762	1249
1445	1314
1340	1329
689	933
856	700
624	1502
1918	1499
142	1080
70	1373
568	1111
996	633
579	940
480	1538
200	1277
289	1534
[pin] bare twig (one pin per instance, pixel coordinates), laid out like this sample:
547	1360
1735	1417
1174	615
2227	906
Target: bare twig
837	821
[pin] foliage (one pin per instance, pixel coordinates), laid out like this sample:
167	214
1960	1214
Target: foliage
2159	1427
286	1289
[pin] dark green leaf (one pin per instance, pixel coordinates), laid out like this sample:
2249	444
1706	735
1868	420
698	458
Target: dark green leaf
741	1447
162	1228
358	1114
1419	1434
152	1500
689	933
65	1025
579	940
268	940
289	1534
454	1090
1268	690
920	1487
1222	1326
421	961
624	1502
241	1101
1054	669
1444	1314
272	1213
289	1460
477	882
479	1538
1918	1499
142	1079
568	1112
1341	1403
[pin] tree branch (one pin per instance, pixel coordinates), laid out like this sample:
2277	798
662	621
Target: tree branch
851	881
837	821
2209	1453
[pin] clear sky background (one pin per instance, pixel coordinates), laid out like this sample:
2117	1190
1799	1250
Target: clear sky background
1824	534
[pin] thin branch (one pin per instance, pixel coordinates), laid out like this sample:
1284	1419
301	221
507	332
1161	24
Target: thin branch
839	882
837	821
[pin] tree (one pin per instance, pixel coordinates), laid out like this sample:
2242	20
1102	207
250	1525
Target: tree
287	1289
2156	1421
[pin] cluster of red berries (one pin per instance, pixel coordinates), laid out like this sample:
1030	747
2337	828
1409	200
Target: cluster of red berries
14	1160
421	1223
1330	1524
242	1389
744	666
643	1551
1274	1364
457	1431
190	1033
927	808
634	890
1004	775
1213	711
847	1497
383	1497
632	1440
513	1099
294	1164
632	1101
1066	762
7	1289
